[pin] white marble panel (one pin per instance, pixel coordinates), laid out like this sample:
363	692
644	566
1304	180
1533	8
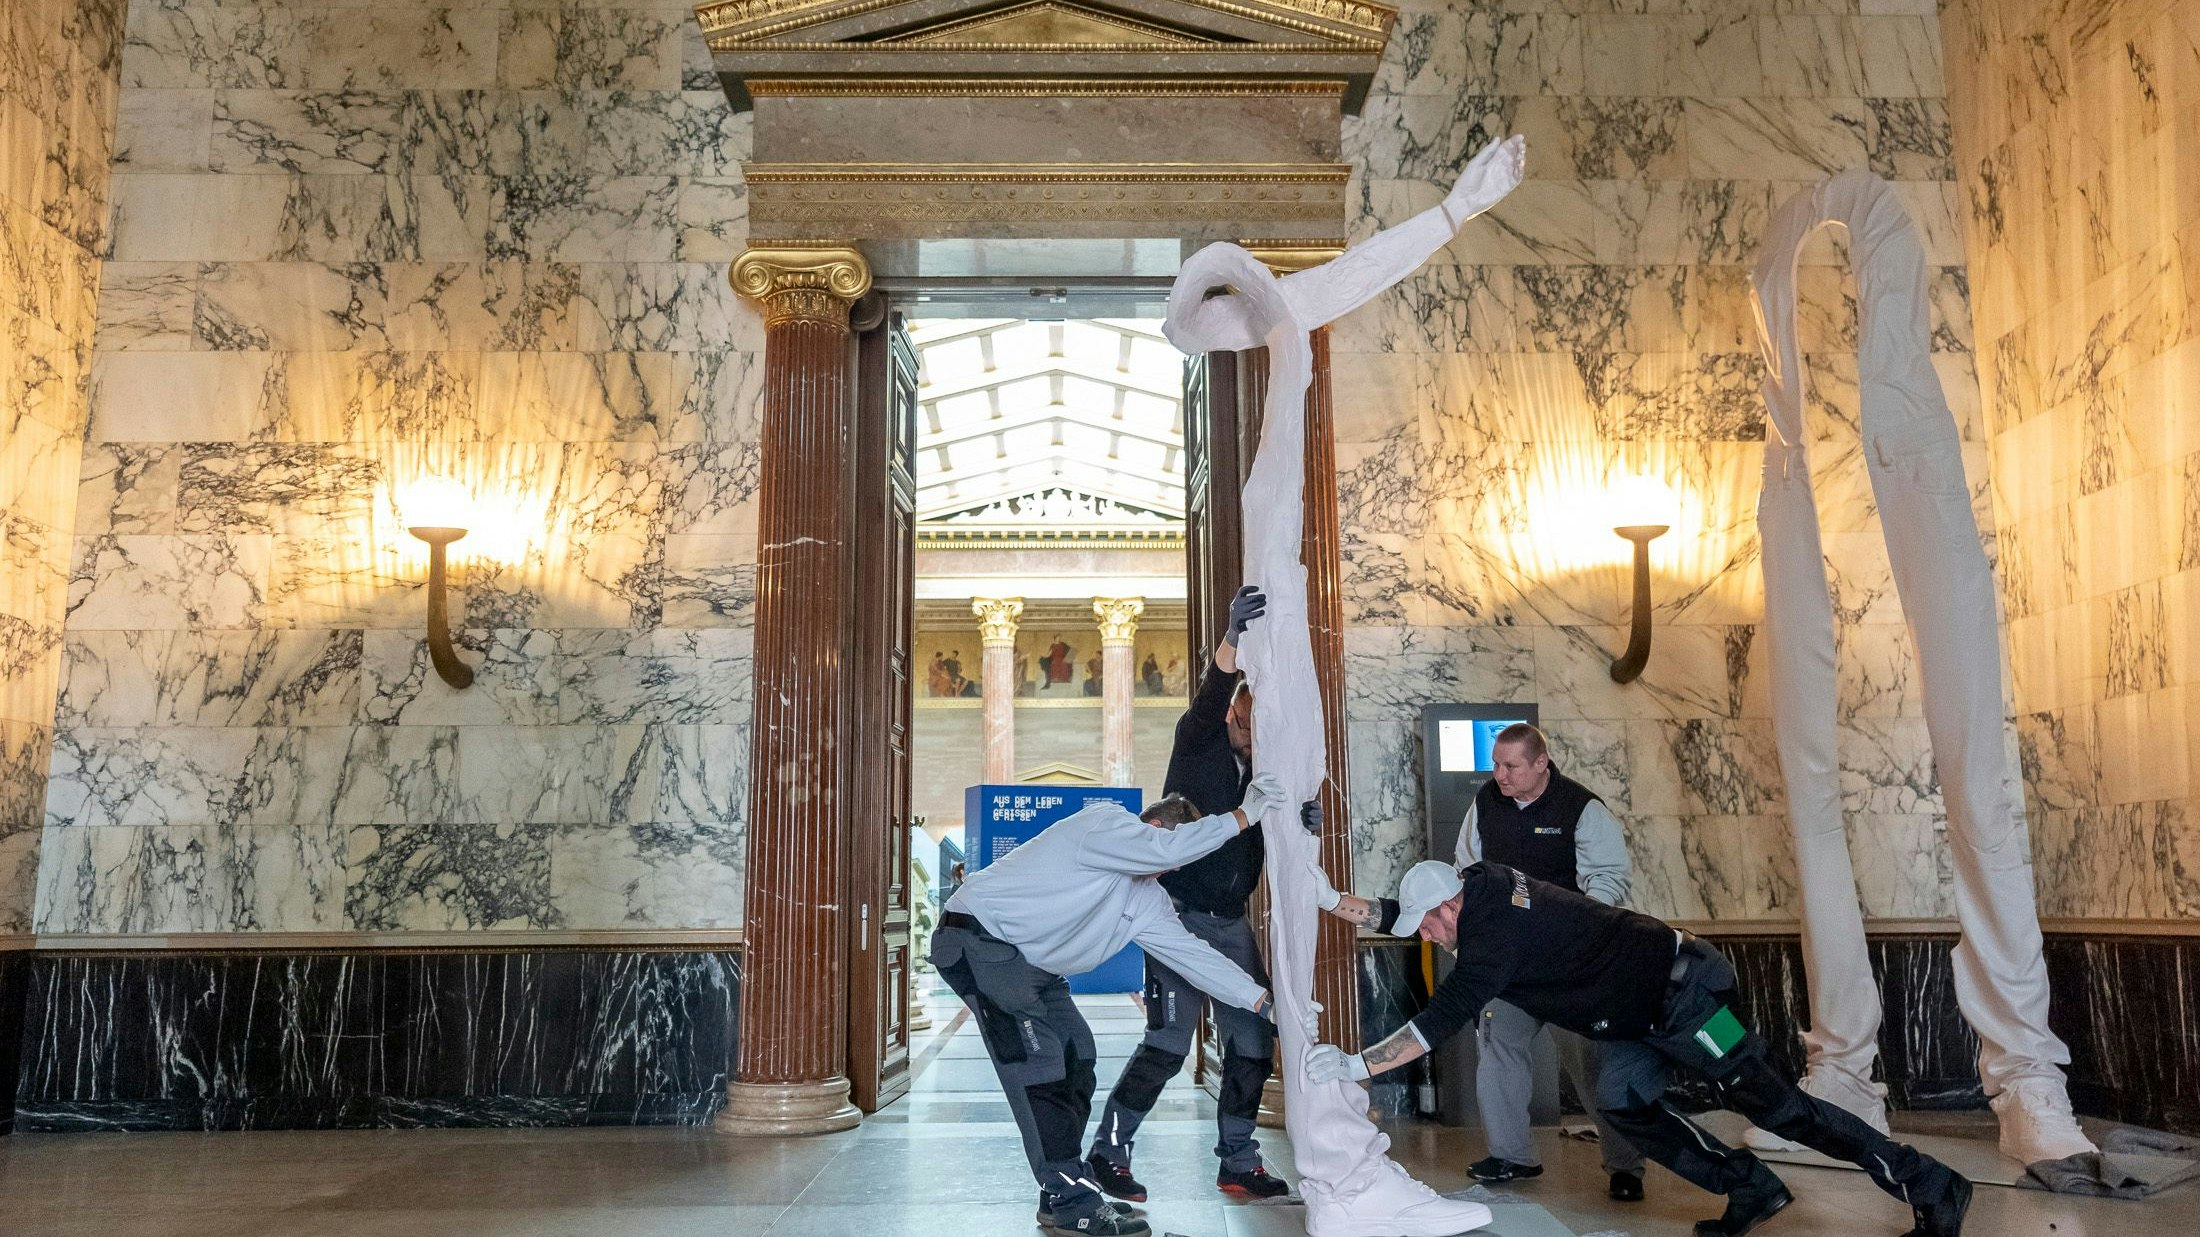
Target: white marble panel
650	875
122	581
207	878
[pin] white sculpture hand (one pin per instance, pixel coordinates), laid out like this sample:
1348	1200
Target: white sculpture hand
1492	174
1327	896
1329	1063
1265	792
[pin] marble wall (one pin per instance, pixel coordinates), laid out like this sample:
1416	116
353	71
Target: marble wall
354	245
58	77
2077	144
1599	323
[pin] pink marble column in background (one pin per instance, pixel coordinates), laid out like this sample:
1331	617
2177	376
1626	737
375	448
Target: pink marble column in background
1118	674
997	685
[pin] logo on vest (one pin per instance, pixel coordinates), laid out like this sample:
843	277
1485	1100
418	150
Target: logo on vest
1520	890
1548	831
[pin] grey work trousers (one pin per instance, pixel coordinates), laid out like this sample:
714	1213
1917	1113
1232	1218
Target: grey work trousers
1172	1014
1042	1051
1504	1081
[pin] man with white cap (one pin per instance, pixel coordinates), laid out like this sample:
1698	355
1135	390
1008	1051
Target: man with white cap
1060	905
1659	998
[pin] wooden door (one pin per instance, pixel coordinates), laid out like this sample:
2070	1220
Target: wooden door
1214	545
877	761
1216	454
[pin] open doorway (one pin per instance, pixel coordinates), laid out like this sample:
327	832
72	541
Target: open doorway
1044	471
1049	524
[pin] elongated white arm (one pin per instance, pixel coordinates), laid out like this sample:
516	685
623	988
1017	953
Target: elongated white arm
1325	293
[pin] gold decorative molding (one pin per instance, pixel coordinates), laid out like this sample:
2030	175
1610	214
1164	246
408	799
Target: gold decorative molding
1037	88
759	19
814	283
1288	257
728	43
1050	24
1053	173
997	619
1118	618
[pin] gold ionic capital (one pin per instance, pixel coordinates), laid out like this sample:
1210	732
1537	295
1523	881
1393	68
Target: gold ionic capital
1291	257
806	282
997	619
1118	618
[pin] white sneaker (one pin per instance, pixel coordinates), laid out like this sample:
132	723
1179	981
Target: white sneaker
1860	1097
1393	1204
2036	1122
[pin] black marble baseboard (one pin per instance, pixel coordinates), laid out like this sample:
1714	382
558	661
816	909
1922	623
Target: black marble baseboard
558	1037
15	970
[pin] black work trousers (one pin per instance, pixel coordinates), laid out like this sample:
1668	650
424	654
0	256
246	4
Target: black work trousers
1631	1090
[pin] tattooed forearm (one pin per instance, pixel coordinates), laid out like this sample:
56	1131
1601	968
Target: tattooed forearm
1357	910
1400	1048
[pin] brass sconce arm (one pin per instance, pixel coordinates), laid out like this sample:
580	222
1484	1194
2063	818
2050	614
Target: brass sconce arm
453	671
1630	664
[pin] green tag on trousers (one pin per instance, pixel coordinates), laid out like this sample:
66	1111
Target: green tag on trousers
1720	1032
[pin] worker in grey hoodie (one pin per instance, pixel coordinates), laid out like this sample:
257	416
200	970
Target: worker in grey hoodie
1059	905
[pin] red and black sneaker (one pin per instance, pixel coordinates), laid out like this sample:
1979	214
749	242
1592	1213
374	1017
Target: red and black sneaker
1254	1184
1115	1179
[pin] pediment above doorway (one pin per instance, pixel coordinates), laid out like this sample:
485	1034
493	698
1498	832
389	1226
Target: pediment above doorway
958	119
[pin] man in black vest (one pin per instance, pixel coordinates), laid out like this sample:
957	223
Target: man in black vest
1534	819
1210	764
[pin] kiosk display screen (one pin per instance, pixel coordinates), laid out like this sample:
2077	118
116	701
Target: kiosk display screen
1463	744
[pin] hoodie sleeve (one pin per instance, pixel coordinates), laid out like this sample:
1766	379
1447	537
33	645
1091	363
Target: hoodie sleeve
1124	843
1161	934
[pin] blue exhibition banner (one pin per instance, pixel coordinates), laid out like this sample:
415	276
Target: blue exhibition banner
998	819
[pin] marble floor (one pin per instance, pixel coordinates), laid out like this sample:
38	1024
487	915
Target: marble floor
944	1161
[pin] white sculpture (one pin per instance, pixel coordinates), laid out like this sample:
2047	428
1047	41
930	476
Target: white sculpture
1947	594
1351	1186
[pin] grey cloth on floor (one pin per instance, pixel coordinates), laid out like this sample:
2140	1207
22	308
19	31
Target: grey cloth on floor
2132	1163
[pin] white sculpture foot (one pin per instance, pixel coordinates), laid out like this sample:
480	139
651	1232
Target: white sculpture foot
1393	1204
1860	1097
2036	1122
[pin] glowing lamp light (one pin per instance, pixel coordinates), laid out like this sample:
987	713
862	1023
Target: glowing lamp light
437	510
1643	509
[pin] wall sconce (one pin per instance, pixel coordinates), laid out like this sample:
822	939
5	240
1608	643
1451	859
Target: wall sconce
1644	507
435	512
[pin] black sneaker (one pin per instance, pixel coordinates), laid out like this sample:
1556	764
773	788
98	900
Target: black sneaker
1106	1221
1254	1184
1944	1218
1115	1179
1045	1215
1626	1187
1762	1197
1495	1169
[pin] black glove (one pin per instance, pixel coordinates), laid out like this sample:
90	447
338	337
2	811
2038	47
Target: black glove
1249	604
1310	815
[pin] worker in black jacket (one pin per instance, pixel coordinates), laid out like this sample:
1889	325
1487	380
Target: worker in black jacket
1210	764
1659	998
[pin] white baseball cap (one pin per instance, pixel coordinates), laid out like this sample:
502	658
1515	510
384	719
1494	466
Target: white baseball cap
1427	885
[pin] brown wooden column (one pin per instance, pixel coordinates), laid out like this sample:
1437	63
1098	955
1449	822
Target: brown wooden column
1336	950
790	1072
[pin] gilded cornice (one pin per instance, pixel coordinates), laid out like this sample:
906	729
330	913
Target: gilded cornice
1105	173
1287	257
806	282
732	23
1037	87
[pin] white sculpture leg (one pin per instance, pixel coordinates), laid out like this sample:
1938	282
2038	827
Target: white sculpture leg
1947	593
1351	1185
